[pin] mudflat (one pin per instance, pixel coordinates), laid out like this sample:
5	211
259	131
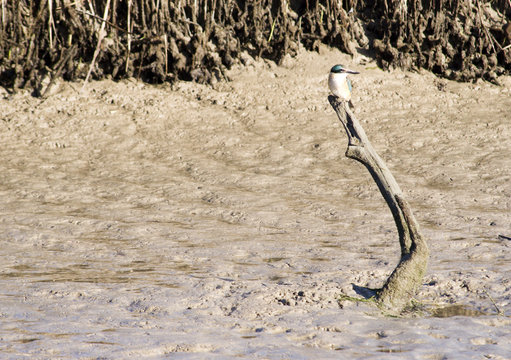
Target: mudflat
200	222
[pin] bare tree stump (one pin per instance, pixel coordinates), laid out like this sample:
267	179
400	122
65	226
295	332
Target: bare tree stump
406	278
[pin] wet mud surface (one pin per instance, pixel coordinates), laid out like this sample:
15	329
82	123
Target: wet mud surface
199	222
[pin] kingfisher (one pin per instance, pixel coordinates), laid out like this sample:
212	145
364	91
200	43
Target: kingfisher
339	83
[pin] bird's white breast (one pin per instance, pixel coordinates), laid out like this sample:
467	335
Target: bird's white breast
338	84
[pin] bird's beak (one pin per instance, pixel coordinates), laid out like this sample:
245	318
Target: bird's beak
351	71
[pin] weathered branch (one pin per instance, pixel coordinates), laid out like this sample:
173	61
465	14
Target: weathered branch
406	278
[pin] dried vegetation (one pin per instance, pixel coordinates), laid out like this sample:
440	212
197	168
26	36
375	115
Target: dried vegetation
160	40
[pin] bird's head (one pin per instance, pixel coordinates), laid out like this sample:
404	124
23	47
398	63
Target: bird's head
339	69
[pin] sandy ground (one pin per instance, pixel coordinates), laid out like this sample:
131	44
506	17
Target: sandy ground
152	222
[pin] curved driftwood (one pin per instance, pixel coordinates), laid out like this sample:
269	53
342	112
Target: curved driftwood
406	278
